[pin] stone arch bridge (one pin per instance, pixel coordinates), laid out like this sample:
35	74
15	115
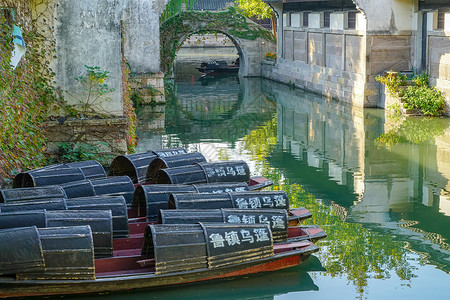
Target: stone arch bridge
251	40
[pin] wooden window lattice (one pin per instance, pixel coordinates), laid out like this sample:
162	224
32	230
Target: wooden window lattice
351	20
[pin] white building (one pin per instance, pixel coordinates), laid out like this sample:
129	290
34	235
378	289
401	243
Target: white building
338	47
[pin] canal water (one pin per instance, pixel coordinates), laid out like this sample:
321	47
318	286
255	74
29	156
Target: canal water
379	186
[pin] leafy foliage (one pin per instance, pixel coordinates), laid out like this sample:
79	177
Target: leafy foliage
258	8
174	7
26	94
421	80
73	152
128	108
425	100
392	81
93	82
428	101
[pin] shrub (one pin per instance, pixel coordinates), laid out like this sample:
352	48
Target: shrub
74	152
428	101
421	80
392	81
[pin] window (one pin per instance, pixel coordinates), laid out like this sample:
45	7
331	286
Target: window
351	20
441	18
326	19
295	20
305	18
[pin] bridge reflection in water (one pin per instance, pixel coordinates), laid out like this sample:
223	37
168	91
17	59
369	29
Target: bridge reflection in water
379	188
208	114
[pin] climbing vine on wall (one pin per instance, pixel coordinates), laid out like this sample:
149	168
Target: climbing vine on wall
177	28
174	7
128	108
26	95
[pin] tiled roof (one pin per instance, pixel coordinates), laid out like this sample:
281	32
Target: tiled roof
210	4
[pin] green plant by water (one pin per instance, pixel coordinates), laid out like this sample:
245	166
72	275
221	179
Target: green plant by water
427	101
422	80
392	81
93	82
74	152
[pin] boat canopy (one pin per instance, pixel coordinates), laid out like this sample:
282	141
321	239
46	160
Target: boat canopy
21	194
205	172
114	186
50	204
149	199
63	253
173	161
241	200
59	174
178	248
135	165
277	219
100	222
116	204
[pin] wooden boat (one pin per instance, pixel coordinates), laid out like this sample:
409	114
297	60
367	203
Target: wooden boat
85	258
197	252
218	67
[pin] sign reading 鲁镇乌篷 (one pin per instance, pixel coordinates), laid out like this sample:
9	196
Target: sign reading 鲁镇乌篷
228	190
226	171
266	199
169	152
230	244
276	219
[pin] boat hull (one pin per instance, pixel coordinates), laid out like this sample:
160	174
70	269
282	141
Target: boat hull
219	71
9	287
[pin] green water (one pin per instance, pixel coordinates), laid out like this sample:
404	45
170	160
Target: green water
378	186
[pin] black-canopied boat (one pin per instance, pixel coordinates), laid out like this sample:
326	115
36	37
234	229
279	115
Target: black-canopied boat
55	242
218	67
170	254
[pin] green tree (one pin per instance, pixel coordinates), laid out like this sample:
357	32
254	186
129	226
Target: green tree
252	8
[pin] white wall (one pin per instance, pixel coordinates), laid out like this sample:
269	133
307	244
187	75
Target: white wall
382	15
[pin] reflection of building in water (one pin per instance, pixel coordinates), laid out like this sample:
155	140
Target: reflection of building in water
330	149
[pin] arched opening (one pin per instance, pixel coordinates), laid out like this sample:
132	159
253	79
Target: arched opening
207	55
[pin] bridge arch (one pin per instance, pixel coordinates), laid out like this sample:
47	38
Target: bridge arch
251	40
